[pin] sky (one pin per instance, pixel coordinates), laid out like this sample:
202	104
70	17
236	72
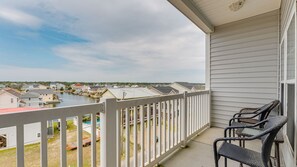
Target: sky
99	41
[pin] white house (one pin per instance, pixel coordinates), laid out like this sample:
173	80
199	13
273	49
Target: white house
9	98
128	93
57	86
46	95
31	99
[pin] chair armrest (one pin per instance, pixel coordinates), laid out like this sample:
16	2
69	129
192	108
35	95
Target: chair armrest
238	118
243	126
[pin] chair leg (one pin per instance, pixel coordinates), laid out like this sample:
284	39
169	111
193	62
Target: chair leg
277	154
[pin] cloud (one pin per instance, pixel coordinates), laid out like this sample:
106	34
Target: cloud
124	40
19	17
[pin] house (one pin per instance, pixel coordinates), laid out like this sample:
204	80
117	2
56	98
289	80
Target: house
163	90
9	98
2	86
27	87
250	58
46	95
57	86
128	93
31	99
187	87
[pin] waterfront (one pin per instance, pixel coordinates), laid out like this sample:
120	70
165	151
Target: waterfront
68	99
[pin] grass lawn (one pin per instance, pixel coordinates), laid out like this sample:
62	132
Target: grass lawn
32	152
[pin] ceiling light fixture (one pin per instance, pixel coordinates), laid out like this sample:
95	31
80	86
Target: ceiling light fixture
236	5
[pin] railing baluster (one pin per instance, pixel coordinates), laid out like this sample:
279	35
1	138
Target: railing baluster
79	141
135	137
174	122
148	121
142	135
63	156
160	128
20	145
179	119
200	112
154	132
43	144
169	123
127	137
164	126
93	139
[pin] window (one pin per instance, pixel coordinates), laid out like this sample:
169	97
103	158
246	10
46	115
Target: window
291	50
282	61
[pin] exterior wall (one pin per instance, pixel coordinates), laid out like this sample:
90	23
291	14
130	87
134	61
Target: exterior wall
32	102
6	102
31	132
243	65
47	97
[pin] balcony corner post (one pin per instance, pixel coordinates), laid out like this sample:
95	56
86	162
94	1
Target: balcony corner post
184	121
108	134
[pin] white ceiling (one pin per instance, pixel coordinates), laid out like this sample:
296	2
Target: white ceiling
217	11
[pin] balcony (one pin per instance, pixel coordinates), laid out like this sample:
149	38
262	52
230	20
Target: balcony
164	125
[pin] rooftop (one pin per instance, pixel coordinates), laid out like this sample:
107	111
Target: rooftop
164	89
131	93
42	91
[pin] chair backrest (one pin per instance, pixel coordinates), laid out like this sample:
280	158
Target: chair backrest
265	110
270	130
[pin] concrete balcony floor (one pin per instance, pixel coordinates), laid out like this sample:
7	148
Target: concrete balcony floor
200	151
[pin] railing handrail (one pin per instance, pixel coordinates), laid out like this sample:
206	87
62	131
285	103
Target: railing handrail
45	114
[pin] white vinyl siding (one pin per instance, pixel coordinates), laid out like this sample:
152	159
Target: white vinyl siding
243	65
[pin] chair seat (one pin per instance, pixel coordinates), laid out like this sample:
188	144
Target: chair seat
239	154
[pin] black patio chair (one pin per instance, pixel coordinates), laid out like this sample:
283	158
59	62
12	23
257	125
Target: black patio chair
246	156
253	115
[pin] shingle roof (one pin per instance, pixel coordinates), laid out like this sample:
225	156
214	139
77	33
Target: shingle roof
13	92
188	85
42	91
30	95
164	89
131	93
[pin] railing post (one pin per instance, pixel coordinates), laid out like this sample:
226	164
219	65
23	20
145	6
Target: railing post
108	134
184	120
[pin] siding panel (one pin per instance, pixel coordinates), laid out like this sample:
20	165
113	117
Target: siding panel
243	65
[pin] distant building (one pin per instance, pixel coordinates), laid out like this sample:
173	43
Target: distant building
163	90
31	99
2	86
187	87
128	93
28	87
9	98
46	95
57	86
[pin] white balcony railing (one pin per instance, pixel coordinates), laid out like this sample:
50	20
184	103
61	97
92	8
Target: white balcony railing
139	132
164	124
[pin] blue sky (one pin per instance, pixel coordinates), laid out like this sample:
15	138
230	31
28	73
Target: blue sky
131	40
